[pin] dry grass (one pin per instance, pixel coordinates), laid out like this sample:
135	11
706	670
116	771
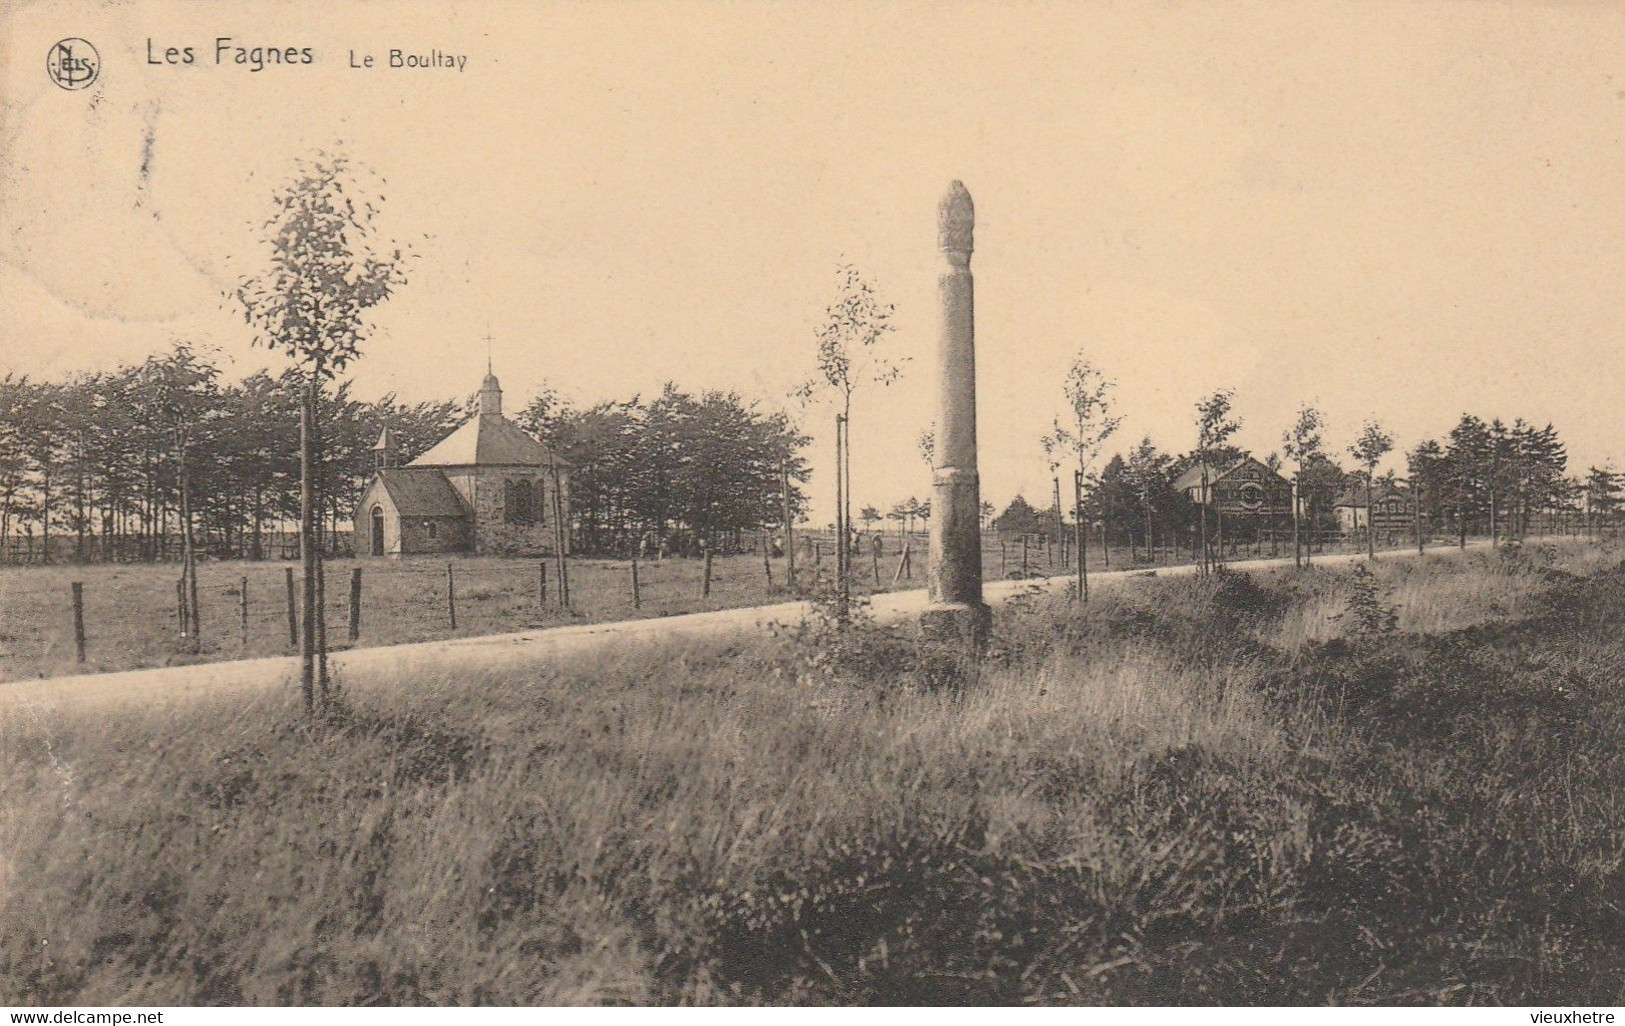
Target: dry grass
131	622
1182	797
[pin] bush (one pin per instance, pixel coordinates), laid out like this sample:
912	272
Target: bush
1365	616
829	648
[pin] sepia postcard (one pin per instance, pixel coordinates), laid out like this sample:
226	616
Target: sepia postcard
858	503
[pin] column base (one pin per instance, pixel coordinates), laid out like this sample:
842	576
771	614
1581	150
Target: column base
953	638
957	624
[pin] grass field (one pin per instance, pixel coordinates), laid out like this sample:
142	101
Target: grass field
131	620
1276	789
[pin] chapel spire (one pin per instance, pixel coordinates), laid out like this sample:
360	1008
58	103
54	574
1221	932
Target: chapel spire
490	402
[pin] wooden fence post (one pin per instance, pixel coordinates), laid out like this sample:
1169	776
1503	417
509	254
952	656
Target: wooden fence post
180	604
637	594
541	584
767	560
293	618
79	620
242	603
355	604
705	589
451	595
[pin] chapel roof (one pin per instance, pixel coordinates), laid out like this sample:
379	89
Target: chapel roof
421	492
488	439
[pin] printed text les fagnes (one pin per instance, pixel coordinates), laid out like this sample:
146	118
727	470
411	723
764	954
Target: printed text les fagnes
227	51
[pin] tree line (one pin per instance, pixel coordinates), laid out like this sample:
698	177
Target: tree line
679	472
116	464
123	464
1485	477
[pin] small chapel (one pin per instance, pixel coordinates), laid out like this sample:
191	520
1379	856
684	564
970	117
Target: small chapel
488	488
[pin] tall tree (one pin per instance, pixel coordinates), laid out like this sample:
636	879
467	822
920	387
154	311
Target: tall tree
1538	481
179	391
1469	458
1602	496
1150	474
16	399
45	434
328	267
1429	472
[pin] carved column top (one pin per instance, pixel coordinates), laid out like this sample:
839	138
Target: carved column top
956	217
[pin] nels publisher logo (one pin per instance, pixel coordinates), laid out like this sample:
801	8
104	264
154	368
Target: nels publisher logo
73	63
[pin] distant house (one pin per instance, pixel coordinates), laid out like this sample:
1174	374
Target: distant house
1393	508
487	488
1244	489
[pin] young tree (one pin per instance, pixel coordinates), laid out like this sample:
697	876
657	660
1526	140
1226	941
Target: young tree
327	268
849	359
1301	444
1214	426
1368	450
927	444
1076	439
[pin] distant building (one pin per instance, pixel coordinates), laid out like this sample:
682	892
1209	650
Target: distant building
487	488
1393	508
1244	489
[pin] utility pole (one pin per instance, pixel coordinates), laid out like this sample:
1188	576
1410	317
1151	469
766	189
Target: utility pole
789	526
840	518
1060	539
1080	540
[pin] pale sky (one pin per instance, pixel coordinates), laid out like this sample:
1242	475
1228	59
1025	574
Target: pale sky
1395	210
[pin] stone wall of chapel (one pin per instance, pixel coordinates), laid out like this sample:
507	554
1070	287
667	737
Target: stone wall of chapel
484	488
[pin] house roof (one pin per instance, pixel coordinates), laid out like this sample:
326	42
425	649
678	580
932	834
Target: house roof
1192	477
1354	494
421	492
489	440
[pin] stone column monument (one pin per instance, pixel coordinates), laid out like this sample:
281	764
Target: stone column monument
957	612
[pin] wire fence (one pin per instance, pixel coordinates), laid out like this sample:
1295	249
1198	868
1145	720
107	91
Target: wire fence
98	617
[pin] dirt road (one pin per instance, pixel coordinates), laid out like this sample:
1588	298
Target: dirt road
383	667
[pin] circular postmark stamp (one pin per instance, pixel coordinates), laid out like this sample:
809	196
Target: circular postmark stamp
73	63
